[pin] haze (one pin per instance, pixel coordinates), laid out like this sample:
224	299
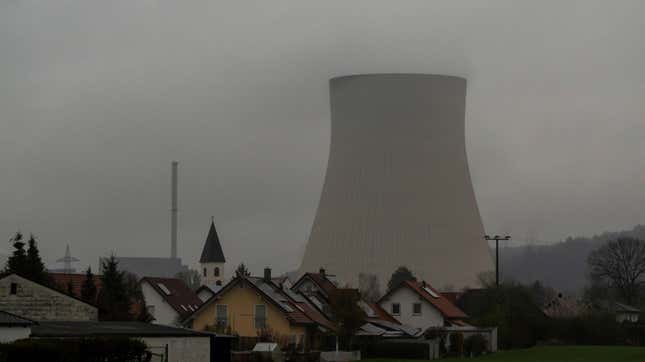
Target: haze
98	97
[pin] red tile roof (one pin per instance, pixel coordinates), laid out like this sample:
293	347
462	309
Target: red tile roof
382	314
62	280
441	303
178	295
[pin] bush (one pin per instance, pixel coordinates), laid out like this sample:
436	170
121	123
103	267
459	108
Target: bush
74	350
475	345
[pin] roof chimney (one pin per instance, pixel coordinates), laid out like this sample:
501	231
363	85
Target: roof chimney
267	275
322	272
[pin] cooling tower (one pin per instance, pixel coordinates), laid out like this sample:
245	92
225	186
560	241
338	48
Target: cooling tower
397	189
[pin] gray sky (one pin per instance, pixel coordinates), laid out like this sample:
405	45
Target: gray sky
98	97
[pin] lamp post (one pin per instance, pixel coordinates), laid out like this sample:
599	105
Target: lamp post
497	238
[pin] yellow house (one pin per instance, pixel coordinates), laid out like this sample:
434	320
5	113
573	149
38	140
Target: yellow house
250	306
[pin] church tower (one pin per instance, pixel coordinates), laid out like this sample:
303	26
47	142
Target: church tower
212	261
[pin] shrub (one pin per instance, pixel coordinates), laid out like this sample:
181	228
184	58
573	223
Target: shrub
74	350
475	345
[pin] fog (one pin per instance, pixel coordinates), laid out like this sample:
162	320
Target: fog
98	98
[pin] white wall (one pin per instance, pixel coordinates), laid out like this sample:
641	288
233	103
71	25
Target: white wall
10	334
163	313
210	279
181	349
429	317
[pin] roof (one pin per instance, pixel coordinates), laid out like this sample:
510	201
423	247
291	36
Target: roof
624	308
441	303
212	252
321	280
100	329
76	280
11	320
151	267
374	311
176	293
50	288
294	312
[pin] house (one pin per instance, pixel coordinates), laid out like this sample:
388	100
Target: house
13	327
626	313
248	306
167	343
212	260
168	300
419	305
35	301
318	288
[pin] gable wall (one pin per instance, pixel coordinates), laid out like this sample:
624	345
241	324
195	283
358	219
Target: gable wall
37	302
430	316
163	312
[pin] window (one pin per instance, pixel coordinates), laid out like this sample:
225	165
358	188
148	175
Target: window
204	272
396	308
222	315
218	283
216	272
416	308
14	288
260	316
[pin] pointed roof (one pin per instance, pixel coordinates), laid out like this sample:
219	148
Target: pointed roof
212	252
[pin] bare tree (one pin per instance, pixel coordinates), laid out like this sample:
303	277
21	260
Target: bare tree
369	287
622	264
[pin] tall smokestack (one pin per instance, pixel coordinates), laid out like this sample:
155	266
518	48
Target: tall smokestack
173	212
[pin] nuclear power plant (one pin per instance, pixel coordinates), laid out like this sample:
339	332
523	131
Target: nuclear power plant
397	189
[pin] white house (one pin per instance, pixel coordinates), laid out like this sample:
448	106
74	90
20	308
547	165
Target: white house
419	305
13	327
168	300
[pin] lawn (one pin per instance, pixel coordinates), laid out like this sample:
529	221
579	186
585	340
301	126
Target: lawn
555	354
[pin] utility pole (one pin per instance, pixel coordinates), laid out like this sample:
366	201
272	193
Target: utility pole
497	238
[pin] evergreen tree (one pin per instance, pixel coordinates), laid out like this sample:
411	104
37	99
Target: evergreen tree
88	288
35	268
400	275
113	299
17	262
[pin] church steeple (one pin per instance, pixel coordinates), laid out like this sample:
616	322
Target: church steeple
212	259
212	251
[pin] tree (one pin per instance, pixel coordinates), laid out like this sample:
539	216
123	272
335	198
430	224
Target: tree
88	288
137	300
35	267
347	314
369	287
400	275
17	262
191	277
27	264
241	271
113	299
622	264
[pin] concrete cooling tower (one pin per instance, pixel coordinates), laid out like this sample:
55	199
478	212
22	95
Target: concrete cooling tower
397	189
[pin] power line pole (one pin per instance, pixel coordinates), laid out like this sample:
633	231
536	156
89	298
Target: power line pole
497	238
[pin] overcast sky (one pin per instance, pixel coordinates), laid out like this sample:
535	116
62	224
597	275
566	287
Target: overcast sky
97	97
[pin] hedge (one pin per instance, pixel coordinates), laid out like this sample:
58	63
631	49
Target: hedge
75	350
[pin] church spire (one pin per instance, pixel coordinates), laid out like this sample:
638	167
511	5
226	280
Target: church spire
212	251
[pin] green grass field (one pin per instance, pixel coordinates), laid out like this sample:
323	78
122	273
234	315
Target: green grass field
555	354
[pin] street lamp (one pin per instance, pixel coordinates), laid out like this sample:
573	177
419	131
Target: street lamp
497	238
